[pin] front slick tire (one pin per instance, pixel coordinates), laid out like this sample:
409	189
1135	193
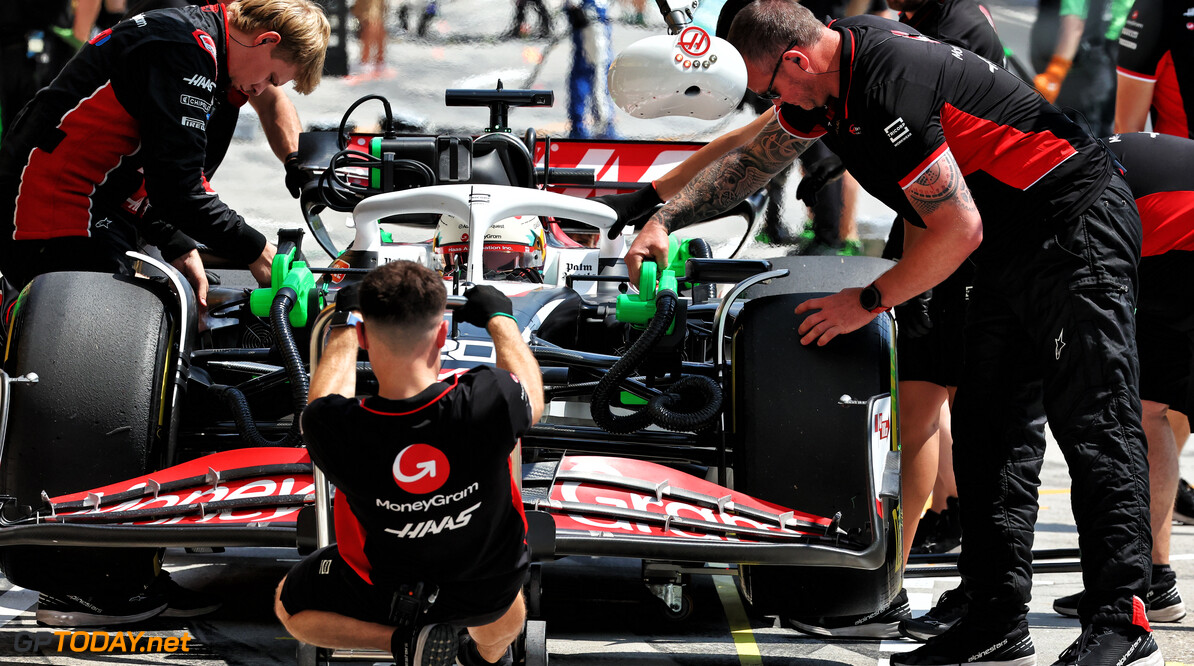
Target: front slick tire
99	344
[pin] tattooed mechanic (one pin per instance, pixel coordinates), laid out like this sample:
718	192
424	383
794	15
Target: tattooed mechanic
979	163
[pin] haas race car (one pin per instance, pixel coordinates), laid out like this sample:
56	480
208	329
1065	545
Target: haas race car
685	424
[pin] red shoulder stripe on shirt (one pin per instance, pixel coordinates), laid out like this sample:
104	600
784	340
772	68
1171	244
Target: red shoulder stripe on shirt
796	133
1166	220
350	538
1014	157
455	381
47	185
915	174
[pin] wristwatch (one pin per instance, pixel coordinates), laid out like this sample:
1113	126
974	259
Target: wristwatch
871	300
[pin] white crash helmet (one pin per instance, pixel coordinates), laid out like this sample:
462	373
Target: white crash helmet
691	74
510	245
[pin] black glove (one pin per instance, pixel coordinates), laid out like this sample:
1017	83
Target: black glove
484	303
635	207
913	316
348	300
816	176
296	177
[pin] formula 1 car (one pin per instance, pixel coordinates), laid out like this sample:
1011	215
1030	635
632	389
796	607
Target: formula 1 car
685	423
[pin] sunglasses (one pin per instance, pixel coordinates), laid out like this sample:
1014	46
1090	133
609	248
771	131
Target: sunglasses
768	93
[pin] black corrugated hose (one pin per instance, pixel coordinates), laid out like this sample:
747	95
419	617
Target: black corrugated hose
279	313
660	409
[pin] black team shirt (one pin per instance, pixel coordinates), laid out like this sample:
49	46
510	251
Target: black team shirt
1157	46
907	99
126	118
424	485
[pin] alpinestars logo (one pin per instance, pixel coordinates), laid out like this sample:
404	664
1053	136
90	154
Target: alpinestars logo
420	469
988	651
201	82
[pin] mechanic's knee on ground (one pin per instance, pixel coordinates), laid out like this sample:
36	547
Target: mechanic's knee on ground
505	629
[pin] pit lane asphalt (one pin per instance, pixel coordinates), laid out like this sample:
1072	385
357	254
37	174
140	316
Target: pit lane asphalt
597	611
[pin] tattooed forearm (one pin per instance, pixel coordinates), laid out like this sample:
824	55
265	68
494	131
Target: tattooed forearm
940	183
732	178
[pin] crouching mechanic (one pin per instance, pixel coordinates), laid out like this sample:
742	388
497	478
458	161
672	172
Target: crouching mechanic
124	124
423	476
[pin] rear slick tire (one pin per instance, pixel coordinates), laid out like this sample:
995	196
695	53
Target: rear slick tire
100	344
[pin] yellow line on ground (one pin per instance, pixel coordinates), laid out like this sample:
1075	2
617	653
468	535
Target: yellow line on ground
740	629
1054	491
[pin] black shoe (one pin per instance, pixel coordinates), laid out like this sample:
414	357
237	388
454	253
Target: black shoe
973	644
1067	605
946	534
926	526
68	610
950	608
1183	506
1121	646
883	623
467	655
1164	601
183	602
432	645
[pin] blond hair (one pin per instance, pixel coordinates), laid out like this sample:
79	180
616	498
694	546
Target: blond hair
303	28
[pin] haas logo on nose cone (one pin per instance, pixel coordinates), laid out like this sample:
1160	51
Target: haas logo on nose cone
420	469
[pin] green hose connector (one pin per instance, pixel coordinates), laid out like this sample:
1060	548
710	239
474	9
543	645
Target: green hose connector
638	309
285	272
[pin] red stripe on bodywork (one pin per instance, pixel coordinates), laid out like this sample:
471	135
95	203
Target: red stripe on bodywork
1165	218
54	199
923	166
1011	156
350	539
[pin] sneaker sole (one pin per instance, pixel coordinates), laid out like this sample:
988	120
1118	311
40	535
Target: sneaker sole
436	646
1167	614
887	630
920	633
1182	519
77	619
1068	612
1172	613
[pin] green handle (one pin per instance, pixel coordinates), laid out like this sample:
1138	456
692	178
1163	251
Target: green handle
639	308
285	272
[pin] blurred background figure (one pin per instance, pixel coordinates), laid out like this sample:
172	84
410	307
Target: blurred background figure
637	14
371	15
522	28
36	40
1076	60
590	108
430	11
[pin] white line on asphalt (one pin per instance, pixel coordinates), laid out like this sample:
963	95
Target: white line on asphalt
897	645
14	602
